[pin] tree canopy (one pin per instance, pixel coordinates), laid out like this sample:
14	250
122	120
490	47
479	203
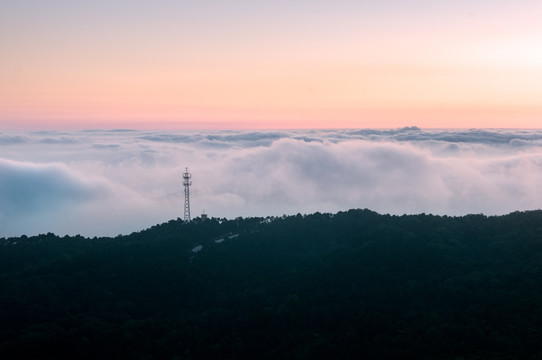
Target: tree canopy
355	284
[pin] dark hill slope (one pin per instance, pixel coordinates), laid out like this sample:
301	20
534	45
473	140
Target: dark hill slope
351	285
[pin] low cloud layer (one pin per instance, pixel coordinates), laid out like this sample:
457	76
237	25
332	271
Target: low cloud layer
109	182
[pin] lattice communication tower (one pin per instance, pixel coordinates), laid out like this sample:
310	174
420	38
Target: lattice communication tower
187	182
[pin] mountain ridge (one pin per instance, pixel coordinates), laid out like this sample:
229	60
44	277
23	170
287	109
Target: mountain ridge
346	285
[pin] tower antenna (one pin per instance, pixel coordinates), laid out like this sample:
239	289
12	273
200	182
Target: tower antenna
187	182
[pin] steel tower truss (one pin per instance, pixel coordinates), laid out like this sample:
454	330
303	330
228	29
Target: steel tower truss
186	183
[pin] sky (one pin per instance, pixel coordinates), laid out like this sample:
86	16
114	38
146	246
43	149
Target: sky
277	107
239	64
111	182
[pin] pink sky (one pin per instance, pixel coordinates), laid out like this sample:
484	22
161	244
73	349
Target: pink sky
314	64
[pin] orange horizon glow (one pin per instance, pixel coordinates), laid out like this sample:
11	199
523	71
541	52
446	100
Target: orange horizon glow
351	66
319	119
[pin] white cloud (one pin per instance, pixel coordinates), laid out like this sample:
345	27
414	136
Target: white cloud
110	182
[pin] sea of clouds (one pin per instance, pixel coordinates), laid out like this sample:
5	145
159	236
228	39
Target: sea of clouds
105	183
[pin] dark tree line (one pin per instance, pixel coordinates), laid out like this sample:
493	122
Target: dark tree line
350	285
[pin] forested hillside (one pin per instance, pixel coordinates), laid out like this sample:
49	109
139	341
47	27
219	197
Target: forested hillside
350	285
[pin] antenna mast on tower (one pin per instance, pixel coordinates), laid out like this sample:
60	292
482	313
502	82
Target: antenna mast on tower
187	182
